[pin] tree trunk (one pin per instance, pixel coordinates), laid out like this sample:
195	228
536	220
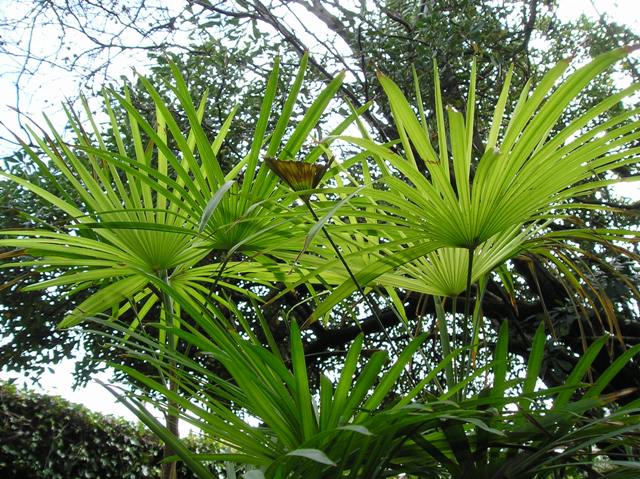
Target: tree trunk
171	418
171	422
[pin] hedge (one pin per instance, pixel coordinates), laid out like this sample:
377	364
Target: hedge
48	437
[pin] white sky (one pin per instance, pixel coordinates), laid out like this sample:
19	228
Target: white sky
51	90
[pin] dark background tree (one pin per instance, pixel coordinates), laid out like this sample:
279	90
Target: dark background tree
228	46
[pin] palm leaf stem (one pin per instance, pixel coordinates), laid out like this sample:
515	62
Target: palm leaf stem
209	296
372	307
477	319
444	339
468	317
167	304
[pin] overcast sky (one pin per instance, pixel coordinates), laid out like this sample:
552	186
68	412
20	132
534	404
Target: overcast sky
48	91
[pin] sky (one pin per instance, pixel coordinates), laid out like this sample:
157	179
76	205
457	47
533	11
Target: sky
50	89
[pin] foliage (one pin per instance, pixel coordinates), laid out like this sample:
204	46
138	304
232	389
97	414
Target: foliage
425	432
438	219
183	257
438	233
229	49
28	319
31	324
47	437
144	226
159	215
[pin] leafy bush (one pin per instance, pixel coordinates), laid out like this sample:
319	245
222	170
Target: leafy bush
47	437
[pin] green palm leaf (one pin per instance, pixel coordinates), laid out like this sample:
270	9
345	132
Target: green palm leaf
497	202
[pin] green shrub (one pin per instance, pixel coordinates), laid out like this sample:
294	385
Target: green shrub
47	437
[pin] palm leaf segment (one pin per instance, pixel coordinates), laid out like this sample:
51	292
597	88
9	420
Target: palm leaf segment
495	204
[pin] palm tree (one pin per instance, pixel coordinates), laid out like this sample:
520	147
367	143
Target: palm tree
442	218
437	234
158	214
435	222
